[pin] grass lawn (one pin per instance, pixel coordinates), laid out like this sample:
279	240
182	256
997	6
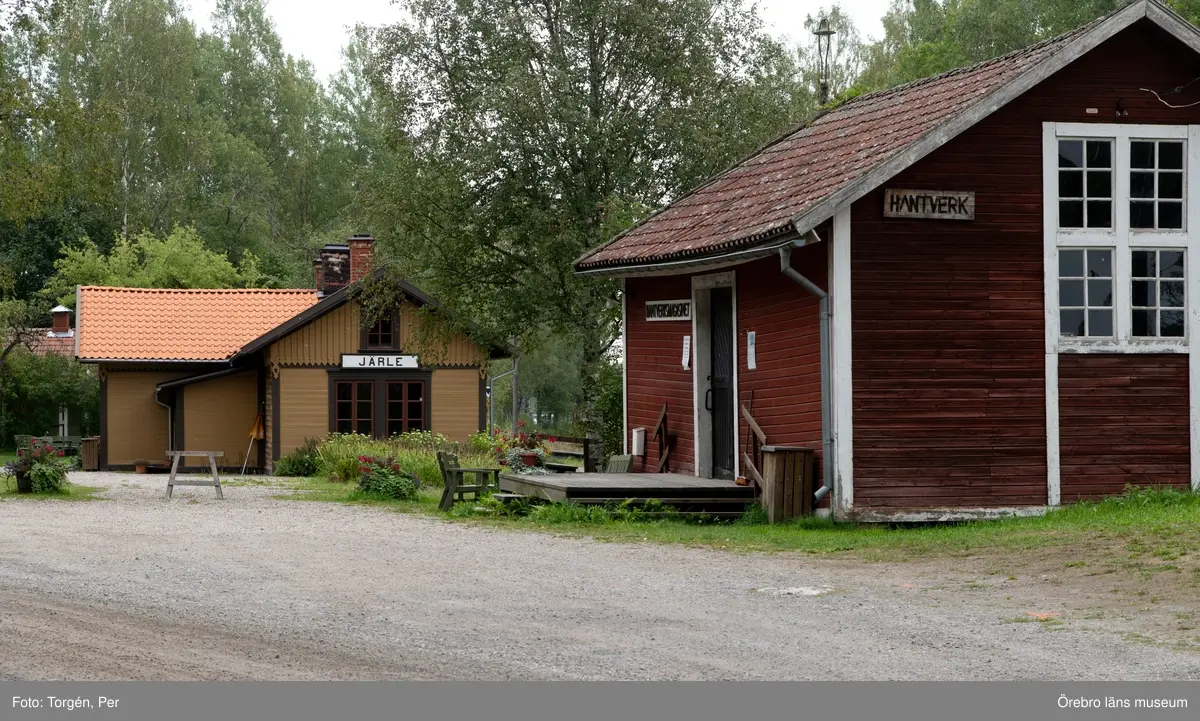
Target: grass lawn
1153	528
73	492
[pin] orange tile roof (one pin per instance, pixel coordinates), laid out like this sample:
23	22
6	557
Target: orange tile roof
197	325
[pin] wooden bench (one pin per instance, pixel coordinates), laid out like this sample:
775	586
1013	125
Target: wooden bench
485	479
212	464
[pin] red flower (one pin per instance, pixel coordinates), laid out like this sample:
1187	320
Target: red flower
553	439
60	453
520	424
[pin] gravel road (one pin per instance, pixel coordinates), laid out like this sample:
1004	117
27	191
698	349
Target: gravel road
137	587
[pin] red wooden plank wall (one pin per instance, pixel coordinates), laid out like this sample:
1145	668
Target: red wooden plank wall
1122	419
784	392
655	373
948	322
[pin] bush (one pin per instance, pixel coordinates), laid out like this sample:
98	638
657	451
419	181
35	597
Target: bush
301	461
382	478
415	453
49	475
43	465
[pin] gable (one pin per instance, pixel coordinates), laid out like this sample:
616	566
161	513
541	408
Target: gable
323	341
802	179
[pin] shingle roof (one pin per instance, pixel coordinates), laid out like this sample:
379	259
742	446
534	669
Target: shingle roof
197	325
45	343
757	199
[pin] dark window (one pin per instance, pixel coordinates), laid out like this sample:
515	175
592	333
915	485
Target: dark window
1085	292
1158	293
353	411
380	335
405	407
1085	183
1156	185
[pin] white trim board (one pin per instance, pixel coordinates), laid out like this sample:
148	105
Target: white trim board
624	369
843	381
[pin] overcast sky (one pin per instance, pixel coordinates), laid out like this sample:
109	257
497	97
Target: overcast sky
317	29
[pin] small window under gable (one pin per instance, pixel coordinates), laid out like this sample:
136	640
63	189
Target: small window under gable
384	334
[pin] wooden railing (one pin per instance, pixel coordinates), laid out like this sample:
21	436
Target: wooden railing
752	460
664	440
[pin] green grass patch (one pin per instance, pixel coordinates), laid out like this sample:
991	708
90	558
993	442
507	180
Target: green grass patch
71	492
1153	525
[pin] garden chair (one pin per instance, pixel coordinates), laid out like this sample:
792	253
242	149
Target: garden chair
486	479
619	464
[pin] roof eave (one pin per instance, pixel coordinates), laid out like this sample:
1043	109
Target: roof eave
679	266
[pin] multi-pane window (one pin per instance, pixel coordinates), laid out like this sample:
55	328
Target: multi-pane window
1085	292
405	407
354	407
1156	184
1085	183
1158	293
380	334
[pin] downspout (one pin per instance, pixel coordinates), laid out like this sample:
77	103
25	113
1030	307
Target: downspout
785	266
170	421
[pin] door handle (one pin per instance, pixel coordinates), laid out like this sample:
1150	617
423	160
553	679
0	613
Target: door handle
708	400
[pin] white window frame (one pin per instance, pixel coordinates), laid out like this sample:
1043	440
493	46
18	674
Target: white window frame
1120	237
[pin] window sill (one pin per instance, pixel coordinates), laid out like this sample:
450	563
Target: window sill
1110	345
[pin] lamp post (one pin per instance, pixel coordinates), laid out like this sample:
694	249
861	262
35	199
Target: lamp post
824	35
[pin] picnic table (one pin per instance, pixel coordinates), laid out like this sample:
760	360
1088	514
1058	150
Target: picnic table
212	464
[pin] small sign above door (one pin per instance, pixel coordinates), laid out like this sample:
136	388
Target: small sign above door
668	310
380	361
929	204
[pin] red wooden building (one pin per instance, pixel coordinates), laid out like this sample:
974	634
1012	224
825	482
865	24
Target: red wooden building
1011	279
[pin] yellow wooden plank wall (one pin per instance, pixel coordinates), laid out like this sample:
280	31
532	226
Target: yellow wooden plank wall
322	342
218	415
303	406
137	425
455	397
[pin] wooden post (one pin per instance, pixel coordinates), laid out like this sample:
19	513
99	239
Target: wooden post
787	482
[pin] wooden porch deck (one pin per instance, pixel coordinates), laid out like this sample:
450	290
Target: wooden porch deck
688	494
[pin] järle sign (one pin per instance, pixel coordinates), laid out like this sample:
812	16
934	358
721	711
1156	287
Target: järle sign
929	204
379	361
668	310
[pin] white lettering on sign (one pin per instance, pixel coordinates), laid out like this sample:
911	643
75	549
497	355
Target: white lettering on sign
929	204
380	361
687	352
668	310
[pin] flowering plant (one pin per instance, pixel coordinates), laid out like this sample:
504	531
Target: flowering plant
40	467
502	442
381	476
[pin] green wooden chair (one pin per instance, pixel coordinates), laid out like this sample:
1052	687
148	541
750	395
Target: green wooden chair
486	479
619	464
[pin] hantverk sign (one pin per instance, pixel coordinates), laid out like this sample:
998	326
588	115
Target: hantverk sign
376	362
929	204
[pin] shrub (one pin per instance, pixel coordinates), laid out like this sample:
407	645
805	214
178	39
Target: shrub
301	461
415	453
382	478
44	465
49	475
479	443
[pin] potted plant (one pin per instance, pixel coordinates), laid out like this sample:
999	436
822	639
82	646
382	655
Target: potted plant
139	466
39	467
532	447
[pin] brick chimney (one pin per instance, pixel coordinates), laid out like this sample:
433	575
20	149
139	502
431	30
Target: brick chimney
62	320
362	256
331	268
